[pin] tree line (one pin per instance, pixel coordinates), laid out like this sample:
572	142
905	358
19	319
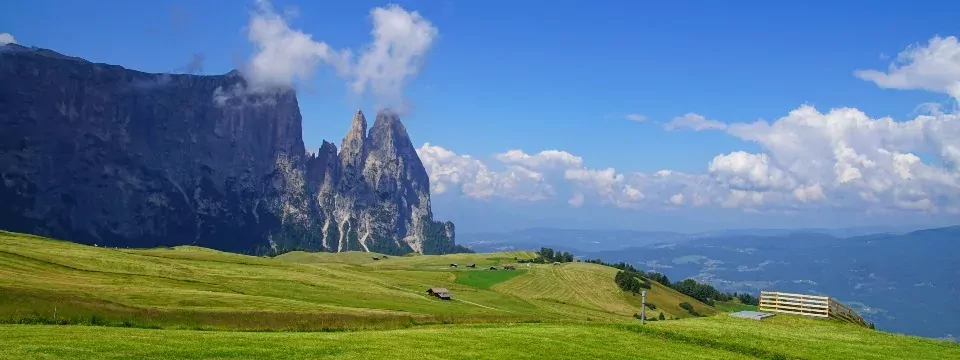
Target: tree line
633	279
548	255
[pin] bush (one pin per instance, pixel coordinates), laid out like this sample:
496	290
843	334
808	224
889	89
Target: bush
661	317
747	299
689	308
631	281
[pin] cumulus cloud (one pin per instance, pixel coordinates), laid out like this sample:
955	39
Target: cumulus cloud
807	159
6	38
547	159
932	67
694	122
401	40
841	158
745	171
576	200
635	117
284	56
449	171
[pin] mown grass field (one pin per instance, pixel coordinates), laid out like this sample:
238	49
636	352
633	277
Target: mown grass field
43	281
190	302
716	337
484	279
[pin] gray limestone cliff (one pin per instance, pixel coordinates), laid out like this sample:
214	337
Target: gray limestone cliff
100	154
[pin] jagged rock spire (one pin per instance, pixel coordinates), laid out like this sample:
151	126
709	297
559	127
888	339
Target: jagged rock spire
353	149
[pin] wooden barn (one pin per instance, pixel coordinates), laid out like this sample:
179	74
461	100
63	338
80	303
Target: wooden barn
441	293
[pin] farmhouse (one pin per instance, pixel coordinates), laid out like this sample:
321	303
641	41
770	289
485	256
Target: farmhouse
441	293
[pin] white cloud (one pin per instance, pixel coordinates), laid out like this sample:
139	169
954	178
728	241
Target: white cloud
284	56
934	67
576	200
745	171
635	117
6	38
806	160
401	40
694	122
677	199
452	172
544	160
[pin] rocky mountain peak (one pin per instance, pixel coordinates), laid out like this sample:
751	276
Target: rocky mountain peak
353	149
393	155
173	159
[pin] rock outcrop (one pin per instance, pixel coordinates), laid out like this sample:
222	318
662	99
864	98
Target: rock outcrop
99	154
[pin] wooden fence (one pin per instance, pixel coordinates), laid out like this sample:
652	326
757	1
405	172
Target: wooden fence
808	305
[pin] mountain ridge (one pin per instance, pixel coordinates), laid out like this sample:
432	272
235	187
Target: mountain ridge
100	154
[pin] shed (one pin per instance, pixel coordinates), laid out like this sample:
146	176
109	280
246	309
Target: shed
441	293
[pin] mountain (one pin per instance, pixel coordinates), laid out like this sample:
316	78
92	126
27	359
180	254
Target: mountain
99	154
592	240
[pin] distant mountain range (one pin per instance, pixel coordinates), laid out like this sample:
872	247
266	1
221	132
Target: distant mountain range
581	240
906	282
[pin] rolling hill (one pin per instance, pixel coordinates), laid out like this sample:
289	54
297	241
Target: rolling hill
190	287
189	302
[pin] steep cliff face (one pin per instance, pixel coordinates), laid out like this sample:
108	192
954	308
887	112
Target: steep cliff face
97	153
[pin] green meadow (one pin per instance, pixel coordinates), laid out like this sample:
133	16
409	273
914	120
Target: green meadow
64	300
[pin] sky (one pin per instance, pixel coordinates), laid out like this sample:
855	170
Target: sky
685	116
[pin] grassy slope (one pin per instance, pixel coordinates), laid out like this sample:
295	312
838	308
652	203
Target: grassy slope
717	337
589	286
188	287
464	342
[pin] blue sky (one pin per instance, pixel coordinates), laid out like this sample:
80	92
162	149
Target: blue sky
529	76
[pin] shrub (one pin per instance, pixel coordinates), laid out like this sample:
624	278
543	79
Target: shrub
661	317
689	308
